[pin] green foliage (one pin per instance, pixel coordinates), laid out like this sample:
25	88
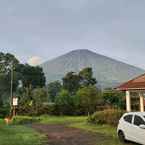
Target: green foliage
53	90
31	76
4	110
32	101
86	76
64	103
39	95
78	95
88	97
6	60
110	116
114	98
71	82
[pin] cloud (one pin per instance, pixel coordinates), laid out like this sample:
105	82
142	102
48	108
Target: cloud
34	61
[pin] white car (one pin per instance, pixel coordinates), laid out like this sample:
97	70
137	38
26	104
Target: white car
132	127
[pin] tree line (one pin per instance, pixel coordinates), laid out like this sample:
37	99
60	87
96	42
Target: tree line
25	77
74	94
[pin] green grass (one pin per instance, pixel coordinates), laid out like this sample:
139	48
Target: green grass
22	135
108	131
45	119
19	135
81	122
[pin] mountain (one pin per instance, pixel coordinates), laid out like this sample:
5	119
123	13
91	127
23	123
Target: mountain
108	72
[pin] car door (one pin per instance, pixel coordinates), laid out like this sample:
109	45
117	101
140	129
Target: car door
127	125
137	132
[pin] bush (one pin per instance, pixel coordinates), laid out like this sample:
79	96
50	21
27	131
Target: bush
45	108
110	116
114	98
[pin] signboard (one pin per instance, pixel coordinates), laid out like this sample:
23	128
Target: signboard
15	101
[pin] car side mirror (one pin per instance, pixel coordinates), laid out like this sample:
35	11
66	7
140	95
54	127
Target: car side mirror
142	126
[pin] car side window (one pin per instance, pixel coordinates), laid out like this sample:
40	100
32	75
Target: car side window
128	118
138	121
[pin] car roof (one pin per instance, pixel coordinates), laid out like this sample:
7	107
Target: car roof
135	113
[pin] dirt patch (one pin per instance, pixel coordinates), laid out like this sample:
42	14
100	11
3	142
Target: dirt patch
62	135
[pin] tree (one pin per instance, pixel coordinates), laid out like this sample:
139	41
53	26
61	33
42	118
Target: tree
88	97
32	100
31	76
86	76
64	103
53	90
39	95
6	61
71	82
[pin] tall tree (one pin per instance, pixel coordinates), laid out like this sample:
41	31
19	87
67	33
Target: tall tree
86	76
88	97
31	76
53	90
64	103
71	82
6	62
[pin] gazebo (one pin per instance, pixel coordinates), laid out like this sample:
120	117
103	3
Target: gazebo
135	85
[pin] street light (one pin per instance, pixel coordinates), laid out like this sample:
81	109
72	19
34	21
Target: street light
13	100
11	91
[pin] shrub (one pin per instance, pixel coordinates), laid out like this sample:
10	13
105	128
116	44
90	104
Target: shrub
110	116
114	98
47	108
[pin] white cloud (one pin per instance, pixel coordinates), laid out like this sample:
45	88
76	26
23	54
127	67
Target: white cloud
34	61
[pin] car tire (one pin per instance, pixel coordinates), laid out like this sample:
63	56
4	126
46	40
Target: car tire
121	136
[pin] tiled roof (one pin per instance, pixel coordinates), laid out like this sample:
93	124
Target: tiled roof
137	83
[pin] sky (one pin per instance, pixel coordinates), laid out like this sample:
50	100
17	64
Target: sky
39	30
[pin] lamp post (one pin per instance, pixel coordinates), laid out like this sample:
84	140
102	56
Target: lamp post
11	91
13	100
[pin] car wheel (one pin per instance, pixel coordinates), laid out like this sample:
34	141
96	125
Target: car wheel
121	136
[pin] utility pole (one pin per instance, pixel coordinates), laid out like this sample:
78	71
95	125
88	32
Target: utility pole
11	93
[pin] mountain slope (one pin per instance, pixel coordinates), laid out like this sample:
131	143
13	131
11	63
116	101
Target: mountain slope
108	72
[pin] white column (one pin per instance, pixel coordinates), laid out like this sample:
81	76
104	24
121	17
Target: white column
128	102
141	102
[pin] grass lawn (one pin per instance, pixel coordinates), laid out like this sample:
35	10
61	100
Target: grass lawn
107	130
22	135
19	135
81	123
61	119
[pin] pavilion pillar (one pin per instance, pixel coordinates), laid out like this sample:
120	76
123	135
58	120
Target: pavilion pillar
128	101
141	102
